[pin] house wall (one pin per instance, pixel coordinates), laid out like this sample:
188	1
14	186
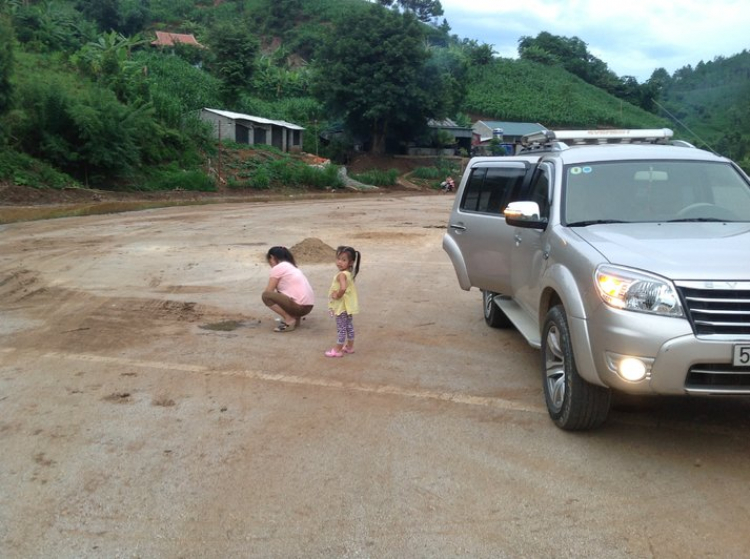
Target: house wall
482	130
223	127
253	133
285	139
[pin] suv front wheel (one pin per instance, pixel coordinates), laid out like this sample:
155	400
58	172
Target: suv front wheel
493	316
573	403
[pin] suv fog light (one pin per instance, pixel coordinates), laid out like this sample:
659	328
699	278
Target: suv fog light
630	368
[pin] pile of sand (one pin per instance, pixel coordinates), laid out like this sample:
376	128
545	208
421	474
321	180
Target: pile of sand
313	251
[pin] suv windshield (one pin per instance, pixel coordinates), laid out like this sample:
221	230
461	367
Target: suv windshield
654	191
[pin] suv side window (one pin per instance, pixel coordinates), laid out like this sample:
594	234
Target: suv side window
539	191
490	189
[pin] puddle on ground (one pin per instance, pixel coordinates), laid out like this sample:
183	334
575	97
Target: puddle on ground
16	214
230	325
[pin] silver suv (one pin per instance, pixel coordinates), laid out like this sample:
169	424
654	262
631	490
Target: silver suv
623	255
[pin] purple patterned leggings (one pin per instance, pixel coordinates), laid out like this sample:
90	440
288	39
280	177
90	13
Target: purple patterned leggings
344	328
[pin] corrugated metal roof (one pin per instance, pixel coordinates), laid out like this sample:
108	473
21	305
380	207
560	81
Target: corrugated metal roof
512	128
445	123
166	39
251	118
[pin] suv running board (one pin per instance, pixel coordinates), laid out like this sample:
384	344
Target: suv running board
520	319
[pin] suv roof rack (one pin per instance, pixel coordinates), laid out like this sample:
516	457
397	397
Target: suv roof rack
561	139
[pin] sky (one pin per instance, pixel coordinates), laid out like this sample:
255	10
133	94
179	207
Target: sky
633	37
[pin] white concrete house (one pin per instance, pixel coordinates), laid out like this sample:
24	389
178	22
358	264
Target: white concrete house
253	130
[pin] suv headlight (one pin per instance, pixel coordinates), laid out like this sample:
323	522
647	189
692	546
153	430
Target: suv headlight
633	290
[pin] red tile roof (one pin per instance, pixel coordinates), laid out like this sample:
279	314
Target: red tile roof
165	39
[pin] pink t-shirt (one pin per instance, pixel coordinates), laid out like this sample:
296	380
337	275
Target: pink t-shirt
293	283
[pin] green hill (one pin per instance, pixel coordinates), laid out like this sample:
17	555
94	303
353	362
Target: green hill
519	90
712	100
86	100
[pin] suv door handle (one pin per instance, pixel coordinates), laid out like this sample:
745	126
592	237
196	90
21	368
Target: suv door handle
458	227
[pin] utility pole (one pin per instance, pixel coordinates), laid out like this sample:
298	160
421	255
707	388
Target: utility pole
315	125
218	159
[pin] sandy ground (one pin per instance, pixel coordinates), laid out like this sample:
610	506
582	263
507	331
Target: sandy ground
148	410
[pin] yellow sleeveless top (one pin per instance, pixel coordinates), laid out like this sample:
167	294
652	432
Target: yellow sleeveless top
349	303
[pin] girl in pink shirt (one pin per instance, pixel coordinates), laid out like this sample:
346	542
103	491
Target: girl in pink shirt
288	292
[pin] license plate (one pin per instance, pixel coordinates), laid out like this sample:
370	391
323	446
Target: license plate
741	356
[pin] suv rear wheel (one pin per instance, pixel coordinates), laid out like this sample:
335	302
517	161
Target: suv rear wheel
493	316
573	403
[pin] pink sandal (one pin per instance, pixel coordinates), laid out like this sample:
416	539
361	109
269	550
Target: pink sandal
348	350
333	353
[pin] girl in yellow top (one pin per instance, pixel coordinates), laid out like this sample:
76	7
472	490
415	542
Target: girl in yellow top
343	301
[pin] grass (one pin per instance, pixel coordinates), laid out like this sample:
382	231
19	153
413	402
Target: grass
269	168
173	178
377	177
431	177
24	170
427	173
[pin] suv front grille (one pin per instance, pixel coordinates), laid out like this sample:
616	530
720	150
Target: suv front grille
717	311
718	379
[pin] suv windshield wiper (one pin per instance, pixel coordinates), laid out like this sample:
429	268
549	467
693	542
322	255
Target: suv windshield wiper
697	219
595	222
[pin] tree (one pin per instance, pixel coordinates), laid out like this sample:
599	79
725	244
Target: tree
479	55
572	54
282	15
175	88
424	10
372	70
127	17
450	67
106	13
659	79
536	53
9	6
6	64
108	61
48	26
84	131
134	15
234	51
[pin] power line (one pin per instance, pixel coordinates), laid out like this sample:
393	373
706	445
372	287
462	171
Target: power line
678	121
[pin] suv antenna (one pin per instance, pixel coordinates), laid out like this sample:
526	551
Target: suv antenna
678	121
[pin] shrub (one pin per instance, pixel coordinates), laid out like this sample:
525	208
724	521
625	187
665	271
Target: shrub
262	171
427	173
85	132
325	177
377	177
435	175
173	178
175	88
261	179
24	170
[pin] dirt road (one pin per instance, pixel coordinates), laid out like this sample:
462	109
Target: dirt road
148	410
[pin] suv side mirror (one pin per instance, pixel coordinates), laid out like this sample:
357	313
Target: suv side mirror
524	214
